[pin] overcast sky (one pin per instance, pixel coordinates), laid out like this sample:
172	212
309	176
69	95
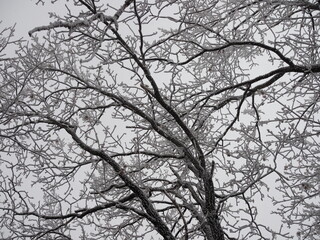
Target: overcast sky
25	13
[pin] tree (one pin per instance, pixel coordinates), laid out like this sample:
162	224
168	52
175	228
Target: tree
163	119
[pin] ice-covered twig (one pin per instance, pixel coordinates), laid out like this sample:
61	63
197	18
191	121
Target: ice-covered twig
75	24
84	23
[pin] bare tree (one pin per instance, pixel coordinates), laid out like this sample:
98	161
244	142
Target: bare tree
172	119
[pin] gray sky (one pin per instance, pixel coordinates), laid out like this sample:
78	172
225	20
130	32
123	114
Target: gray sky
25	13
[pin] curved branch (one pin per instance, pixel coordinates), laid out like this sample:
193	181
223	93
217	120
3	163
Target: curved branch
229	44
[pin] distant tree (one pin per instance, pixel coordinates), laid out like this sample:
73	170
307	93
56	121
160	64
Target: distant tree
172	119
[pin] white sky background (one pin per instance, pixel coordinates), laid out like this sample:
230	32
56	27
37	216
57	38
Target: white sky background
27	15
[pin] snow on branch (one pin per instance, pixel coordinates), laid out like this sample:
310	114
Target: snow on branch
75	24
